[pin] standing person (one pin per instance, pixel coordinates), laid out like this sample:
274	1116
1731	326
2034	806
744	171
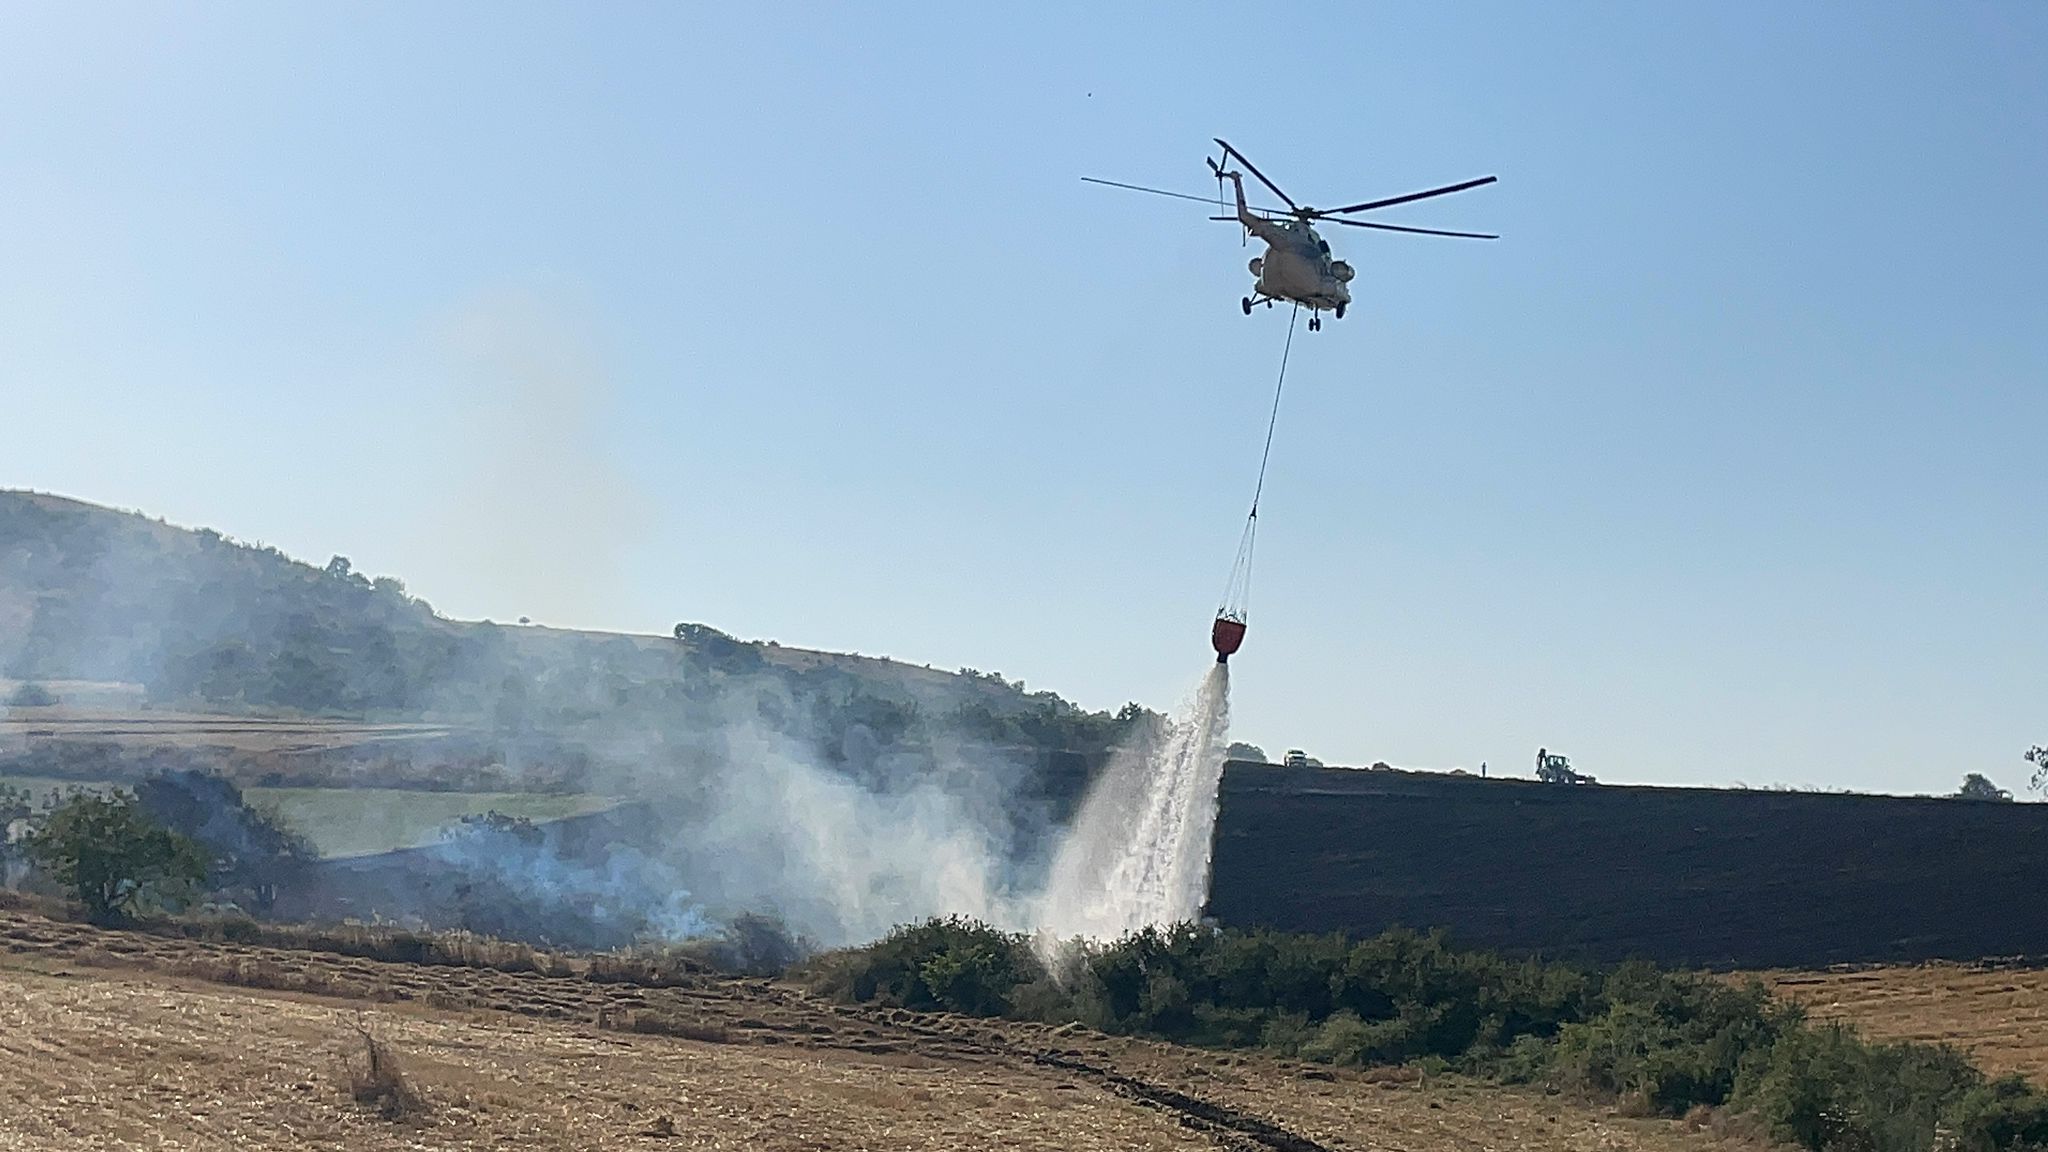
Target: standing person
1541	756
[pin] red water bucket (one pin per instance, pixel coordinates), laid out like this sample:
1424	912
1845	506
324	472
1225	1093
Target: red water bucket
1226	636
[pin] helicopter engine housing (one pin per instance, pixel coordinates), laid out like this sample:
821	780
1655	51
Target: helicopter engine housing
1258	265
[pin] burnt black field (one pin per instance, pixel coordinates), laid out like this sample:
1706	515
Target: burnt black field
1710	878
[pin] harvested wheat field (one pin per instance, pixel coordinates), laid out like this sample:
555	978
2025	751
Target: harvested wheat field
122	1040
171	729
1998	1014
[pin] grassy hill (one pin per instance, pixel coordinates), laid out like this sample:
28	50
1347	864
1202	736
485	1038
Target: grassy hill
197	622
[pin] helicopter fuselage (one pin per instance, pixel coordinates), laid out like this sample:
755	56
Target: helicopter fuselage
1297	266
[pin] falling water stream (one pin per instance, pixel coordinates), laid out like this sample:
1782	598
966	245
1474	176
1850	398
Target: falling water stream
1137	855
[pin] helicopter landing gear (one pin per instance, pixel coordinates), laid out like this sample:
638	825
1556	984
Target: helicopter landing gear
1247	303
1340	311
1315	323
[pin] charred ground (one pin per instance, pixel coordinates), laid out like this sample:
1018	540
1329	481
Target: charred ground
1728	879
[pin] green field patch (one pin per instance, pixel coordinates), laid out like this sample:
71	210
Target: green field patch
363	821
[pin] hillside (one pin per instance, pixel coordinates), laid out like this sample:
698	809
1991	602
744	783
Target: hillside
1684	876
93	594
757	776
197	622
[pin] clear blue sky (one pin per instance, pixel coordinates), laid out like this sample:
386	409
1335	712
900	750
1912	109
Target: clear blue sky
1726	463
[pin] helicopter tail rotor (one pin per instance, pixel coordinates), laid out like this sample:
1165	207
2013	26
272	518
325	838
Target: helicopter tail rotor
1252	168
1222	205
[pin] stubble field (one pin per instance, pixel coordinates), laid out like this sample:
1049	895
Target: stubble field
1998	1014
124	1040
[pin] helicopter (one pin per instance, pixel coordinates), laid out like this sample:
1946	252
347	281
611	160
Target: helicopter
1297	265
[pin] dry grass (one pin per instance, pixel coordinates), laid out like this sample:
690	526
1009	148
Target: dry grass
665	969
127	1061
1998	1014
269	974
663	1024
454	949
379	1082
147	1049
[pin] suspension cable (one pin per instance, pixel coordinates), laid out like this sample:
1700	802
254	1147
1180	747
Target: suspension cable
1238	592
1273	420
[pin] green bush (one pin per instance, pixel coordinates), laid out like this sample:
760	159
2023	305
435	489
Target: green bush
1670	1041
1824	1088
1344	1038
950	965
1287	1033
976	980
1662	1042
2005	1113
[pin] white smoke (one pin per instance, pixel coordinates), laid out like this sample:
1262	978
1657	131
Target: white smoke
843	861
843	840
1138	853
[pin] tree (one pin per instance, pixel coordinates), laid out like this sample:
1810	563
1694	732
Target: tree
14	814
339	568
113	857
14	806
253	851
2038	757
1240	750
1977	786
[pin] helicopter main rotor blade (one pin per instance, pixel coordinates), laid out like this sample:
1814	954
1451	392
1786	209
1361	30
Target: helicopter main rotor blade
1421	231
1154	191
1181	196
1391	201
1254	170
